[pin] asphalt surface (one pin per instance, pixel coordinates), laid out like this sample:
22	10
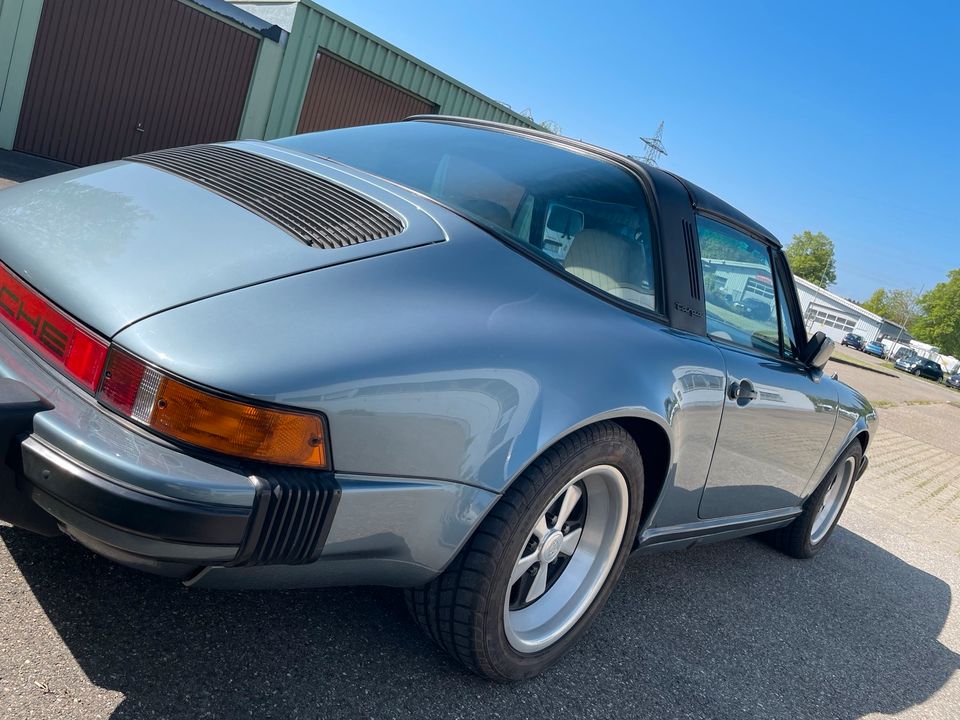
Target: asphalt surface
19	167
734	630
870	628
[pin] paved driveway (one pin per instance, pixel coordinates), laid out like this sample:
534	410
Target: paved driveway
18	167
735	630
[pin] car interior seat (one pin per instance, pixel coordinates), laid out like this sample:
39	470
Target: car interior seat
612	264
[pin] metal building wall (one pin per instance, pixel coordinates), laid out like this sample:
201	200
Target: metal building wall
109	78
341	95
18	28
316	28
813	300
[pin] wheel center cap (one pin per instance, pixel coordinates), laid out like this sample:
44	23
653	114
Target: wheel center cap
550	548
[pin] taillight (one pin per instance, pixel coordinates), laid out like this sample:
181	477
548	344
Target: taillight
233	427
67	345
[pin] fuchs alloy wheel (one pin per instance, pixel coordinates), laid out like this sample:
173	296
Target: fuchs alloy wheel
807	534
543	563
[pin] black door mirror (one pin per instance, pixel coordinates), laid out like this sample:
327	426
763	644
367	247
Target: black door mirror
818	350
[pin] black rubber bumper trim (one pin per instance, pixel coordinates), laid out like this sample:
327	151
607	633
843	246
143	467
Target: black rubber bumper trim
18	405
292	515
863	467
128	510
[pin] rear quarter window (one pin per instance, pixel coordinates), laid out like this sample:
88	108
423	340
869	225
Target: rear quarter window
580	214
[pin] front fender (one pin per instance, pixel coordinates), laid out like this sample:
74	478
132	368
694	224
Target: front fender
856	418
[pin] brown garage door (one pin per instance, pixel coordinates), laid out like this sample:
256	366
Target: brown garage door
110	78
342	95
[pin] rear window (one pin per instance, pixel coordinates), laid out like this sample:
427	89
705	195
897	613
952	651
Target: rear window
583	215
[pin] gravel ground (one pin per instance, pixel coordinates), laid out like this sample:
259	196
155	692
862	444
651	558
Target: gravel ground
733	630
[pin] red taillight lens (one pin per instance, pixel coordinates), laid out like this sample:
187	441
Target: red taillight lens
61	340
230	426
121	382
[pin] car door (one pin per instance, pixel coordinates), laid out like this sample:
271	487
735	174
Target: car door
777	415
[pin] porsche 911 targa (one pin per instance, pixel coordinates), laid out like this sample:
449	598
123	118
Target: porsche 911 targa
481	363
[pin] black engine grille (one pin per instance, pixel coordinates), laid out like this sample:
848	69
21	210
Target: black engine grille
291	517
314	210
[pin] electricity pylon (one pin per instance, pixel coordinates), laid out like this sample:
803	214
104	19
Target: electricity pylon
654	146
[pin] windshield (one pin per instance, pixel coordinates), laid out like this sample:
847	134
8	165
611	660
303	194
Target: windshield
581	213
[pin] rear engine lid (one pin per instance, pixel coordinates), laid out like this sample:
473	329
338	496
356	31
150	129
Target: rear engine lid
115	243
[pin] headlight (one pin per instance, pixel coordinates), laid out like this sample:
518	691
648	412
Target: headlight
183	412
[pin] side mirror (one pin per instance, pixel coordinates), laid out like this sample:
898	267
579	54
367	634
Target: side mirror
818	350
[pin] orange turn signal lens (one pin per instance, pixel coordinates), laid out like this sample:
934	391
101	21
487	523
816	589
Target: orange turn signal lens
228	426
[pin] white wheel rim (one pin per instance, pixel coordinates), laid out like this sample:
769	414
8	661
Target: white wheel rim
832	502
581	558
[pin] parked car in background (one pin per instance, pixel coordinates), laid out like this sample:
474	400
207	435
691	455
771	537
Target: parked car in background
921	367
754	308
854	341
954	380
876	349
465	359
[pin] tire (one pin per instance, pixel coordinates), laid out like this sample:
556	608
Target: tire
483	617
808	533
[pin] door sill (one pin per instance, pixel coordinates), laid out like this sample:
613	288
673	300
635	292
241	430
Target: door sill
686	535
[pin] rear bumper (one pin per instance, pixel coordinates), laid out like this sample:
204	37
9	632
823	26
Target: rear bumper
72	467
136	528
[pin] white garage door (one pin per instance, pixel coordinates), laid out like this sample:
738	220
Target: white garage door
833	322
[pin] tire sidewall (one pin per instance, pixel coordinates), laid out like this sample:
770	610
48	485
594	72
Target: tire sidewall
516	665
810	511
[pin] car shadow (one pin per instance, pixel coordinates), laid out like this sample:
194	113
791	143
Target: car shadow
728	630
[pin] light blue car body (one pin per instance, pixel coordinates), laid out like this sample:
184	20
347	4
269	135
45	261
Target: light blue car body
444	361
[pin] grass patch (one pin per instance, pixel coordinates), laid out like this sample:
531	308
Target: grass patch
891	403
850	360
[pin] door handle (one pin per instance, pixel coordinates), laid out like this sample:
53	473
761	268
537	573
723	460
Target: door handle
742	391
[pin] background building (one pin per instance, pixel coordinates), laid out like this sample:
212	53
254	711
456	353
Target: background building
837	316
86	81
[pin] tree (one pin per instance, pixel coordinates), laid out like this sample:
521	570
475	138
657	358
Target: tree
877	303
716	245
895	305
939	324
811	257
549	126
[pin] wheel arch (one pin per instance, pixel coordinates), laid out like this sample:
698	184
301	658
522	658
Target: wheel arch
648	431
654	445
863	437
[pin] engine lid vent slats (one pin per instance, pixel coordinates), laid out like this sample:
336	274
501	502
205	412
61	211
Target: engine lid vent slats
316	211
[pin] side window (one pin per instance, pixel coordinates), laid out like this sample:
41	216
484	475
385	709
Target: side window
791	347
738	287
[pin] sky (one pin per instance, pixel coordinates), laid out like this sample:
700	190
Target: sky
840	117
